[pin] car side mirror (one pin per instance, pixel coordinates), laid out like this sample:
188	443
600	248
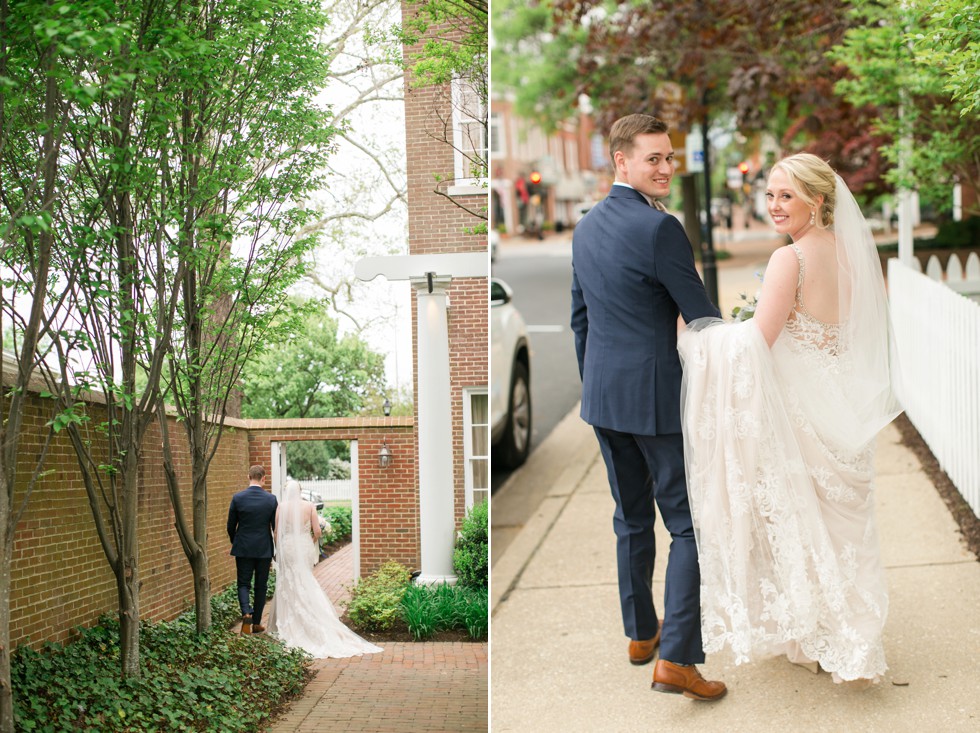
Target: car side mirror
499	293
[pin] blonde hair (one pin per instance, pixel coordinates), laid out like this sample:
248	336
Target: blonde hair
812	177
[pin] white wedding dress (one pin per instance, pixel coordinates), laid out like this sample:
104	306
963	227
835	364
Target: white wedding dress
780	476
302	614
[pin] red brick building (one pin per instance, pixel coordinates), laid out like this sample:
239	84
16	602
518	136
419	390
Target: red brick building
445	130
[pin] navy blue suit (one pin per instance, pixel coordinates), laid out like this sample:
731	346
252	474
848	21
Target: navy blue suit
251	521
632	274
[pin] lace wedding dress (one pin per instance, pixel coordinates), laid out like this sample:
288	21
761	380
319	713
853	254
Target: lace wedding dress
781	489
302	614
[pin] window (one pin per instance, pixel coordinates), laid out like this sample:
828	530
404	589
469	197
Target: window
497	148
469	136
476	445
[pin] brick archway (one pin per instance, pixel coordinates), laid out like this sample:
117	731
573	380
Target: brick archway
387	498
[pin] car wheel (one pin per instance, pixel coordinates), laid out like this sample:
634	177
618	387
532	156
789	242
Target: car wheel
516	441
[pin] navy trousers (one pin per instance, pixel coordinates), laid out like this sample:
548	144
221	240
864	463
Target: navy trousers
645	470
246	567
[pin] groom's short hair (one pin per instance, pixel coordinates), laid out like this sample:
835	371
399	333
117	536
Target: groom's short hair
624	131
256	472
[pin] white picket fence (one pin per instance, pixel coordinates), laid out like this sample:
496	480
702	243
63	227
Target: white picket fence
936	323
331	490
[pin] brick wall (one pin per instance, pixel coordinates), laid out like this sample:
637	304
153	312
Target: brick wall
388	498
59	574
437	225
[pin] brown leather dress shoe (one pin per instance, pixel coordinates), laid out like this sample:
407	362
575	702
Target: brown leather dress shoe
674	678
642	652
258	629
247	623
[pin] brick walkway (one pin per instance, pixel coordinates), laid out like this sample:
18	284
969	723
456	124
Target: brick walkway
432	686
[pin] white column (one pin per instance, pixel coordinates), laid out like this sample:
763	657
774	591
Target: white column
434	406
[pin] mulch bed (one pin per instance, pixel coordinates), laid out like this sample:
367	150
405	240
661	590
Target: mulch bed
401	633
968	522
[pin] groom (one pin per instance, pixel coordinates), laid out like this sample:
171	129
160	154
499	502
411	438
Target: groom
251	521
632	274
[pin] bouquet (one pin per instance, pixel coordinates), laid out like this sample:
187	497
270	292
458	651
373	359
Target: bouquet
746	310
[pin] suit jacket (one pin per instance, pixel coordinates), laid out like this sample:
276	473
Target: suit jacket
632	273
251	519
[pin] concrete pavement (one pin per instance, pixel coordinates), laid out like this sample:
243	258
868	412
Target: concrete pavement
559	654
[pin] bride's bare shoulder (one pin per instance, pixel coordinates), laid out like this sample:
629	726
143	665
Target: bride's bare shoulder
782	263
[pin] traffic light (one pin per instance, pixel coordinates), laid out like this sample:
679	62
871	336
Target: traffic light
744	169
534	183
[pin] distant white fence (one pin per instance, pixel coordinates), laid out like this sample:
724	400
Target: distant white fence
332	490
937	334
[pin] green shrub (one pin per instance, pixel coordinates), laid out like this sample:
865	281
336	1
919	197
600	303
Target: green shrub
475	614
964	234
341	520
375	602
471	558
428	609
958	234
417	612
188	681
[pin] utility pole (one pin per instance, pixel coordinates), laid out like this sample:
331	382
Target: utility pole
708	266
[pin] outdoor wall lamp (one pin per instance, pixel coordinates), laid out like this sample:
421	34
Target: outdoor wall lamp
384	455
386	407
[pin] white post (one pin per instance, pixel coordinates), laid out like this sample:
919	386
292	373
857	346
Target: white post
430	275
905	226
957	202
436	511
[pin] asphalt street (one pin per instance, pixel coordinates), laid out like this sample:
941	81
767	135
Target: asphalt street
540	274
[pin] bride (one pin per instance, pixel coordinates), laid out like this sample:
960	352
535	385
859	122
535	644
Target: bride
780	415
302	615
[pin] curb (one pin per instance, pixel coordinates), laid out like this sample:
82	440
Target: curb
571	437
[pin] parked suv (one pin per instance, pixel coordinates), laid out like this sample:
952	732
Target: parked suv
510	379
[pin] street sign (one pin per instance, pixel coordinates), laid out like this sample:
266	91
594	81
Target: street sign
695	151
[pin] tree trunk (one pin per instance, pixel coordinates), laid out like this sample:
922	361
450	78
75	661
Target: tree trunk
127	571
200	565
6	552
193	539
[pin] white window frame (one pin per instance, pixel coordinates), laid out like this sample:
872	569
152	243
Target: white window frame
468	448
463	98
497	132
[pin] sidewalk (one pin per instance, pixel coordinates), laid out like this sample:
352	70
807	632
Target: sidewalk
559	654
411	687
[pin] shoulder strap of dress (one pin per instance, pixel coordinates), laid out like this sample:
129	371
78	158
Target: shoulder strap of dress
799	281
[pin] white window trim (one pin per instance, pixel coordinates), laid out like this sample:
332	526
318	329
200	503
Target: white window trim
496	122
465	185
468	394
468	190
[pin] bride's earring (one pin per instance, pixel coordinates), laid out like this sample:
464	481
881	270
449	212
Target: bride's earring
813	217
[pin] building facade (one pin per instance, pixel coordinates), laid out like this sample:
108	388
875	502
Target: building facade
571	163
446	142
